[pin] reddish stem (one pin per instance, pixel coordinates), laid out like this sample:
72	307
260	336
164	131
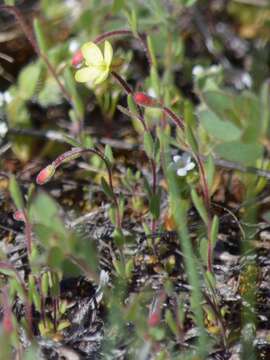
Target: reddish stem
154	189
128	90
28	233
139	37
179	121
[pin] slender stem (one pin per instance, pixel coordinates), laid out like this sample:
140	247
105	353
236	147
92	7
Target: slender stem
113	33
204	182
154	189
140	37
206	198
133	115
30	37
28	233
179	121
122	83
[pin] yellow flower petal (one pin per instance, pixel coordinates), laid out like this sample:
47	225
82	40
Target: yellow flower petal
92	53
103	76
108	53
88	74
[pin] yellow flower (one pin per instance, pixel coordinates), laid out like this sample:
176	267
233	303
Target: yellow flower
97	65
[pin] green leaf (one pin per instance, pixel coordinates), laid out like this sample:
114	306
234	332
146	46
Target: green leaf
50	94
210	278
16	193
40	36
151	51
109	154
170	320
199	205
222	104
9	2
246	154
155	81
118	237
55	257
154	204
132	19
264	102
55	284
217	128
34	295
188	3
106	188
131	105
117	6
189	114
45	284
210	170
129	266
72	89
28	80
44	212
204	250
191	139
214	231
149	145
71	141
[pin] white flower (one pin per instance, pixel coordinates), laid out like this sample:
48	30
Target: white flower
73	46
3	129
183	164
7	97
198	70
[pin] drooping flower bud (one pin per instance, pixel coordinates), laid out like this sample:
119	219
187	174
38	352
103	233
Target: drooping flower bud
143	99
77	58
45	174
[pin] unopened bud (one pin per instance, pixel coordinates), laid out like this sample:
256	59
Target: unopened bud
45	174
77	58
143	99
19	216
8	323
154	319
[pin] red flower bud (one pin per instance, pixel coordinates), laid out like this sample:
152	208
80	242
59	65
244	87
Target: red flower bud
77	58
7	323
143	99
19	216
154	319
45	174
